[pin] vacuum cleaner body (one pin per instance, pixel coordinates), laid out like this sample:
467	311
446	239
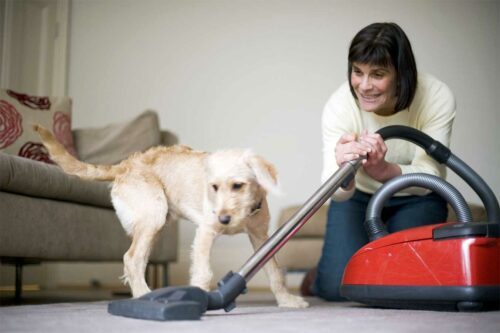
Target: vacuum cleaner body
446	266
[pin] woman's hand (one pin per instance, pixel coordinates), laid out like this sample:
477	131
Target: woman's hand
375	165
348	149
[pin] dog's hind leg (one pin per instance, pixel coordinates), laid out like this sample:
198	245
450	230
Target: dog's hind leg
142	208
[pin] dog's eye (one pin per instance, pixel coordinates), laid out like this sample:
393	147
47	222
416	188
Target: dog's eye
215	187
237	186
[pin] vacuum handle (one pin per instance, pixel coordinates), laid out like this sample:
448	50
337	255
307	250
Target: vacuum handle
432	147
443	155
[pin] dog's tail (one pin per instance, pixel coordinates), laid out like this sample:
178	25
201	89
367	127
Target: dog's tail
70	164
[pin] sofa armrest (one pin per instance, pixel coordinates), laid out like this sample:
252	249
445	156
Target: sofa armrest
168	138
115	142
37	179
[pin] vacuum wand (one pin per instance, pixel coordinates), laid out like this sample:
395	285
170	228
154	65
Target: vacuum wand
293	225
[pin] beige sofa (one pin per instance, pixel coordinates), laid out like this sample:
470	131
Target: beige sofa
46	215
302	252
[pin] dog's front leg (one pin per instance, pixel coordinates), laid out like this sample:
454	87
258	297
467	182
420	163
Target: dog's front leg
276	277
201	273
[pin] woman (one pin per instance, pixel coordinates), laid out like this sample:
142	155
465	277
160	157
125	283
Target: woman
383	89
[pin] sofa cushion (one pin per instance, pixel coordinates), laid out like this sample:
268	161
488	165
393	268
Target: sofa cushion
314	227
33	178
56	230
300	253
19	112
113	143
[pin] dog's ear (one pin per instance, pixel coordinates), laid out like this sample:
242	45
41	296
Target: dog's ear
265	172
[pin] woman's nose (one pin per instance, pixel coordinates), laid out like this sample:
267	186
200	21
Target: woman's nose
365	83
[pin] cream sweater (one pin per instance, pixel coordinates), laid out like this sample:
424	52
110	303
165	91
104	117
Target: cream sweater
432	112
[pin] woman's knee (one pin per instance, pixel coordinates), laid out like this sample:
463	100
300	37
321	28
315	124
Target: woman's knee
328	290
425	211
329	277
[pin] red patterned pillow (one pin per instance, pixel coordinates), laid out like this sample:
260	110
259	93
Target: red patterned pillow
19	112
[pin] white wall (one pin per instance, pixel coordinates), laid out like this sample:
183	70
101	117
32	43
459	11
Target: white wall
235	73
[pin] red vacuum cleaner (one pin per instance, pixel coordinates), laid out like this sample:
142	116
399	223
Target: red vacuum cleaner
450	265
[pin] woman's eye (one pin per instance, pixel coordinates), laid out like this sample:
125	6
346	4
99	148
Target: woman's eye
378	75
215	187
237	186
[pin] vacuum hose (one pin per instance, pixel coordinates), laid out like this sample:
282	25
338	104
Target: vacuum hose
443	155
373	222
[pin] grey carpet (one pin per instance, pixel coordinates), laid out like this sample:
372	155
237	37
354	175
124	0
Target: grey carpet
255	312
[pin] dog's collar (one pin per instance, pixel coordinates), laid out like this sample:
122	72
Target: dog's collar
256	208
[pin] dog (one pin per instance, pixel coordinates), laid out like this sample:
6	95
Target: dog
222	193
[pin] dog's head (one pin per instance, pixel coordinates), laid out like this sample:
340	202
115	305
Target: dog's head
238	181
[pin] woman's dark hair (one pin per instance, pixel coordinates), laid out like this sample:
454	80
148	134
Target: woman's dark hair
386	44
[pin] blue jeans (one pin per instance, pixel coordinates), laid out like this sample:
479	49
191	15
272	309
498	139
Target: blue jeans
345	233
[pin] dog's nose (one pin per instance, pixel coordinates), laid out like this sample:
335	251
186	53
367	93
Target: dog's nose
224	219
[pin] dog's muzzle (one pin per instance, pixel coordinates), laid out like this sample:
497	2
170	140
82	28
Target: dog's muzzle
225	219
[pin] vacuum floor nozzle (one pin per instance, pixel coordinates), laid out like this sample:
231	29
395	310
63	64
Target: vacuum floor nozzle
170	303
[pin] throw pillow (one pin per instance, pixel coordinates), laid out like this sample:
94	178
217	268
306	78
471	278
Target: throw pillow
19	112
115	142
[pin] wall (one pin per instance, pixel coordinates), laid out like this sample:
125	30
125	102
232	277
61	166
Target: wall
257	74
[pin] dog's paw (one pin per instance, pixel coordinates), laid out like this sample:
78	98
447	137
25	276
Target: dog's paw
291	301
200	283
139	291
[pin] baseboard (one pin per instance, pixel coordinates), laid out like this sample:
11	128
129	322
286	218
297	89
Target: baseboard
25	287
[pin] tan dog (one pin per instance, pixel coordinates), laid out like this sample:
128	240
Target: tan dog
222	193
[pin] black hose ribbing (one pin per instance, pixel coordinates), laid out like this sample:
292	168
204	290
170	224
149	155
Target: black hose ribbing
373	223
479	185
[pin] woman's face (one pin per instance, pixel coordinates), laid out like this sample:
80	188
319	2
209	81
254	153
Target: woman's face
375	87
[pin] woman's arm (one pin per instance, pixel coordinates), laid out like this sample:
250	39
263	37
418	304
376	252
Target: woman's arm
339	121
